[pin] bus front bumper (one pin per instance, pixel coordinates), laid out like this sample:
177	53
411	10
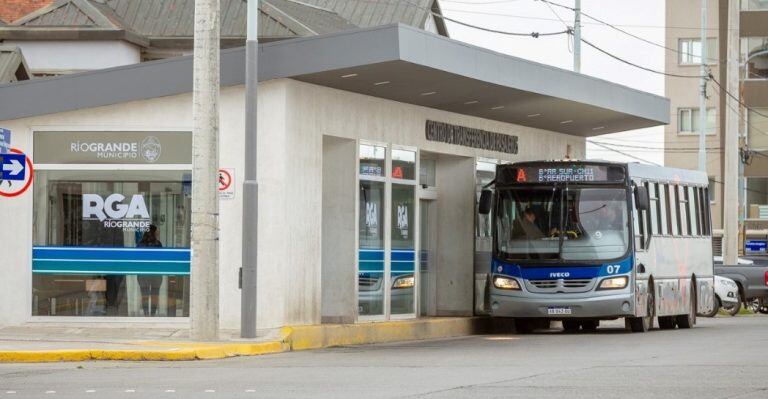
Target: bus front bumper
554	307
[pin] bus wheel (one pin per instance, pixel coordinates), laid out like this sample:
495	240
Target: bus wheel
667	322
590	325
688	320
571	326
643	324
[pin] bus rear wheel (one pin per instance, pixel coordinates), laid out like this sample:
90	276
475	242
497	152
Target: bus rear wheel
688	320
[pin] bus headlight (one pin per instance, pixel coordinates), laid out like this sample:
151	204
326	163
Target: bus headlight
505	283
404	282
613	283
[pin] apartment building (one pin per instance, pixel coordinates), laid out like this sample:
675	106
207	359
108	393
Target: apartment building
683	32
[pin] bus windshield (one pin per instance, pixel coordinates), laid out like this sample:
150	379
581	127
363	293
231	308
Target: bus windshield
558	223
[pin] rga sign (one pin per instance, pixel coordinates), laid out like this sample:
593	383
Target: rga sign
114	212
149	149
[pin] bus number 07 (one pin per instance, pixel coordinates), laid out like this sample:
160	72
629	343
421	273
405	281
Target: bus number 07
613	269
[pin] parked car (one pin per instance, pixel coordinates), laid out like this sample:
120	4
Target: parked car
751	275
726	297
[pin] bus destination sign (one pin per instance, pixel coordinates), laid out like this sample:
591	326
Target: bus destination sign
576	173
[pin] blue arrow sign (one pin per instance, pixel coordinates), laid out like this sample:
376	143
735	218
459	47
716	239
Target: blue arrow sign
14	166
5	141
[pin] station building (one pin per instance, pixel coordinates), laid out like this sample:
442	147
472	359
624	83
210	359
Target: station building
373	145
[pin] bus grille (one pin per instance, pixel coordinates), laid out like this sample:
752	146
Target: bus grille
559	286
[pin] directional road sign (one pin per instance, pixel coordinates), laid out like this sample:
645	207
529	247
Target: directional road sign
14	167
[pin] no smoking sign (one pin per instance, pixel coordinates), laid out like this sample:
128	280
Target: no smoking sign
226	183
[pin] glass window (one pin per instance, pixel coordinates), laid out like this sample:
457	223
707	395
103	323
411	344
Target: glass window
712	184
373	159
688	120
754	56
663	210
575	224
427	170
674	215
757	126
371	255
111	243
685	221
694	210
757	198
704	203
403	164
403	257
754	5
690	51
654	214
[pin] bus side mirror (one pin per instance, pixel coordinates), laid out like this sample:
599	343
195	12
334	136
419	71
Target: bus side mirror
486	199
642	202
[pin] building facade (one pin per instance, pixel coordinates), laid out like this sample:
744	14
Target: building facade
372	148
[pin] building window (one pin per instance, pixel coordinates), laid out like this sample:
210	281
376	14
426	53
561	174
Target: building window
754	56
690	51
754	5
688	120
757	128
757	198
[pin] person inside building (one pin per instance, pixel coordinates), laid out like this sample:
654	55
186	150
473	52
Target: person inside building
150	283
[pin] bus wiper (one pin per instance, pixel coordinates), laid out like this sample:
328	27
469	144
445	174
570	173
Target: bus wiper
594	210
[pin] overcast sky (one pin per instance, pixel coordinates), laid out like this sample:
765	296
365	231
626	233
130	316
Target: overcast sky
644	18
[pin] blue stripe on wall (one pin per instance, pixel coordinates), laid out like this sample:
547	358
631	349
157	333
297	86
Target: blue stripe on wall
90	260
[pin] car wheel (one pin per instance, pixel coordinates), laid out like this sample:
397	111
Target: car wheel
754	305
571	326
688	320
715	308
667	322
732	308
590	325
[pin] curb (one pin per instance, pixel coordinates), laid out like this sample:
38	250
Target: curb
294	338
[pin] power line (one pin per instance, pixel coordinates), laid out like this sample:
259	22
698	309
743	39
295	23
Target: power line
712	78
590	44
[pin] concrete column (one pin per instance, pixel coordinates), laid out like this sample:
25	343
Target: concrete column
731	132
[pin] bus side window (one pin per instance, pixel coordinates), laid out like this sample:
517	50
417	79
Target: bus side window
638	219
663	209
705	221
695	210
674	213
685	221
654	211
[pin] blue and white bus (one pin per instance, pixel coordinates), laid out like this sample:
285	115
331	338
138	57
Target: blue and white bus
582	241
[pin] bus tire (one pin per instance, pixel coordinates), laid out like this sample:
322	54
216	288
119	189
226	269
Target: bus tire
571	326
590	325
667	322
715	308
643	324
688	320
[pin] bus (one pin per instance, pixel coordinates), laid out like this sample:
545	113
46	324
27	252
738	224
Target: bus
583	241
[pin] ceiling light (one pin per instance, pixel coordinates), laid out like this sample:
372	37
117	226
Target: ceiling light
351	75
498	107
568	121
429	93
533	115
471	102
386	82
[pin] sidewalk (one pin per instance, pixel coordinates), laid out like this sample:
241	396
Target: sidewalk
54	342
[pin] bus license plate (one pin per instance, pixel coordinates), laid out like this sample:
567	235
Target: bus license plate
558	310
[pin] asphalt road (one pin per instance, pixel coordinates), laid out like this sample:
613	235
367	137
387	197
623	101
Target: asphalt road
719	358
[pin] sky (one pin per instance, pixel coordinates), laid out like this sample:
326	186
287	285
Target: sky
643	18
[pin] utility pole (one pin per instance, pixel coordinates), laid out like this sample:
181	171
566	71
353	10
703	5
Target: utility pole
204	280
731	131
703	91
577	37
251	187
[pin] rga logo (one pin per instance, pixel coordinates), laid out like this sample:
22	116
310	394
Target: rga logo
151	149
114	213
559	275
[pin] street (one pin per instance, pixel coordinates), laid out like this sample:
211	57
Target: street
720	358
